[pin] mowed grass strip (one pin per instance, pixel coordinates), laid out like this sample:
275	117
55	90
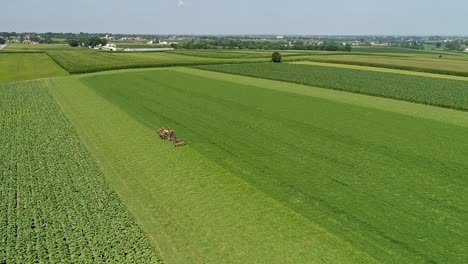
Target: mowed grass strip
391	184
85	60
27	66
440	92
55	204
194	210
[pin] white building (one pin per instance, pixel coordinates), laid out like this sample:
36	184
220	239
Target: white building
110	47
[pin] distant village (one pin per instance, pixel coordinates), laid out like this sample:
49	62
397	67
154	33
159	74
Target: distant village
280	42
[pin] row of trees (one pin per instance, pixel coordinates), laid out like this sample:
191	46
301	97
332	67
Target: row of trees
88	41
453	45
227	43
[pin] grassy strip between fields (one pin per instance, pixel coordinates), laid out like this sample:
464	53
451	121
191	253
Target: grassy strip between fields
426	90
55	204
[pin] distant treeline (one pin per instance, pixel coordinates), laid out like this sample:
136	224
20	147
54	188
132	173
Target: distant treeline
87	41
228	43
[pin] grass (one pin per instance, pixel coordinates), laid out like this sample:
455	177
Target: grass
386	177
55	204
26	66
192	209
84	60
427	90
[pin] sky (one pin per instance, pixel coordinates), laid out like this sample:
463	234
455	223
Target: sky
307	17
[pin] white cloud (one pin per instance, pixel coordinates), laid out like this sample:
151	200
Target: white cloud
182	3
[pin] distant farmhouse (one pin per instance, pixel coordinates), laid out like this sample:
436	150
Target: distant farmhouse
466	50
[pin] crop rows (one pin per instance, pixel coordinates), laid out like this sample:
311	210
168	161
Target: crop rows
426	90
84	61
55	205
16	66
452	66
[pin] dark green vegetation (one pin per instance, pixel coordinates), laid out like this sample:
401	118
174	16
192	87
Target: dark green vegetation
391	184
87	41
55	204
24	66
432	91
276	57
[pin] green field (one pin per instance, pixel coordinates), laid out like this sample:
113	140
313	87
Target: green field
193	209
37	47
55	204
448	64
368	171
433	91
84	60
26	66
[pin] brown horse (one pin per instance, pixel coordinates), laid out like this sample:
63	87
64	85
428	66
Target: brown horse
162	133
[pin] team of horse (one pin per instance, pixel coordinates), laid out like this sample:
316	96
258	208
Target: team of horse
168	134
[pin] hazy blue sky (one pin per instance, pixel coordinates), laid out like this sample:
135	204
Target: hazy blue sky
395	17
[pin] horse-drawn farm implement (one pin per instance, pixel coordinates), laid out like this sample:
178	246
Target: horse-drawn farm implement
168	134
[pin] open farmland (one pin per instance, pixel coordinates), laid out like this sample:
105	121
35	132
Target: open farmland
340	177
55	204
82	61
25	66
448	64
427	90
